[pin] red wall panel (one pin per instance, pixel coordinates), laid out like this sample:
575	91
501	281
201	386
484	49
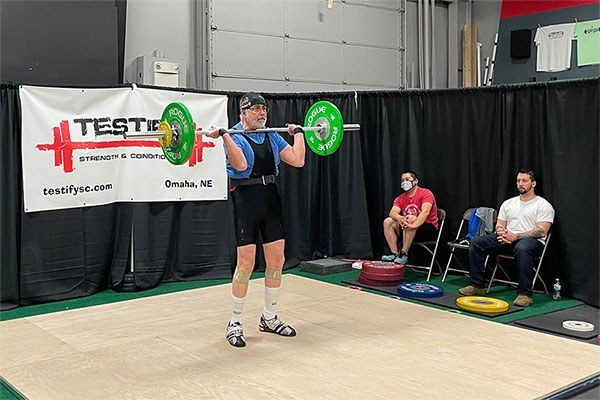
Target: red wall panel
515	8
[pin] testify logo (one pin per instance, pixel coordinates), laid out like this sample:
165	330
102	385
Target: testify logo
64	147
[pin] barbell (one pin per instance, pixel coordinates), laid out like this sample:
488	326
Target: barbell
324	130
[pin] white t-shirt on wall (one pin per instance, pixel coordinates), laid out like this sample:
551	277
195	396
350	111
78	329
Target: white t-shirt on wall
522	216
554	47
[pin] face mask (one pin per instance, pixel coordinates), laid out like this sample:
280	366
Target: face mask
406	185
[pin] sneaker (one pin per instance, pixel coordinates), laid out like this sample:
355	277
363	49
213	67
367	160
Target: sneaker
401	259
389	257
275	326
522	300
472	291
235	334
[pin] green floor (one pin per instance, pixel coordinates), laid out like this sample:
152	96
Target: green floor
542	303
7	393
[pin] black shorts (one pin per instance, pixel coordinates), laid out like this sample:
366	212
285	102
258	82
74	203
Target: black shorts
257	208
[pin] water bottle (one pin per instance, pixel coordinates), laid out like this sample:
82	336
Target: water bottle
556	286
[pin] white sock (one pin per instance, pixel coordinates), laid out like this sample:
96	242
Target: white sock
271	295
238	305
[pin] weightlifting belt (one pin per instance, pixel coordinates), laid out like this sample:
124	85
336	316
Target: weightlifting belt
261	180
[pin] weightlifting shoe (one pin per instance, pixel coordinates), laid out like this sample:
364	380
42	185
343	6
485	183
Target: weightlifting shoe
275	326
523	300
235	334
389	257
472	291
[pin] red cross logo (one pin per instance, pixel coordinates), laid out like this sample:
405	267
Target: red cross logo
63	147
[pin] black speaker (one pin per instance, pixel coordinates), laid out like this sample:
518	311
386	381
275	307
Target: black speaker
520	43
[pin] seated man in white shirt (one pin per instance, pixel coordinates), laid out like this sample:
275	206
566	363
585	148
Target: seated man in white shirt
523	224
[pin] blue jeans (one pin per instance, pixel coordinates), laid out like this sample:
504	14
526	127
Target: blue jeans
524	251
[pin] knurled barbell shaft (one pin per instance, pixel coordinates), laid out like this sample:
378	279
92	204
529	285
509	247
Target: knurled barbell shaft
347	127
144	135
158	134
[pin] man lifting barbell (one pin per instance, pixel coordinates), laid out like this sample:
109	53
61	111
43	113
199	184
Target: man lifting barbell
254	153
252	166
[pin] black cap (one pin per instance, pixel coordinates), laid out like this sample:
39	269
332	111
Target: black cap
250	99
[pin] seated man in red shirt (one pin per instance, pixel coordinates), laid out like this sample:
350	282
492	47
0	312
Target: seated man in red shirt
414	215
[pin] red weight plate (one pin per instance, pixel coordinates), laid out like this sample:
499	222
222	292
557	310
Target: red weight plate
370	282
396	276
382	268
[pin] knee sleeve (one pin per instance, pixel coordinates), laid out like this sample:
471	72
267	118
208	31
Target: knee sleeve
272	273
241	276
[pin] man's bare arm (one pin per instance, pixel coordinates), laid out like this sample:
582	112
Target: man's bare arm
539	231
395	214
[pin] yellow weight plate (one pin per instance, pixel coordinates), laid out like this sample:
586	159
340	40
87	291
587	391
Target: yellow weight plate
165	127
482	304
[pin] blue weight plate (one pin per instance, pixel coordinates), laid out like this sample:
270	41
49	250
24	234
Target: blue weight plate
419	290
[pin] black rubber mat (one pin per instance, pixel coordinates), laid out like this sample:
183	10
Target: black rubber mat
448	300
552	322
586	389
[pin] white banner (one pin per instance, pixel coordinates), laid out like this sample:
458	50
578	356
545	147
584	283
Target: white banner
75	155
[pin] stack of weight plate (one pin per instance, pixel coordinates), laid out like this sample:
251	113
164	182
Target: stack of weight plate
381	273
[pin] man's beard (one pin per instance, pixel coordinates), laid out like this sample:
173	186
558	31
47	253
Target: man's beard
523	190
259	124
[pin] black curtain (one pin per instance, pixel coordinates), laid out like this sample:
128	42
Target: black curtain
553	129
11	201
450	138
70	253
180	241
467	146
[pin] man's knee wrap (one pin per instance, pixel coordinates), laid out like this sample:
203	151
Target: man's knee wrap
272	273
241	276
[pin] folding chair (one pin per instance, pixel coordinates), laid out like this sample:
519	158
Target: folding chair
431	244
463	245
536	270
